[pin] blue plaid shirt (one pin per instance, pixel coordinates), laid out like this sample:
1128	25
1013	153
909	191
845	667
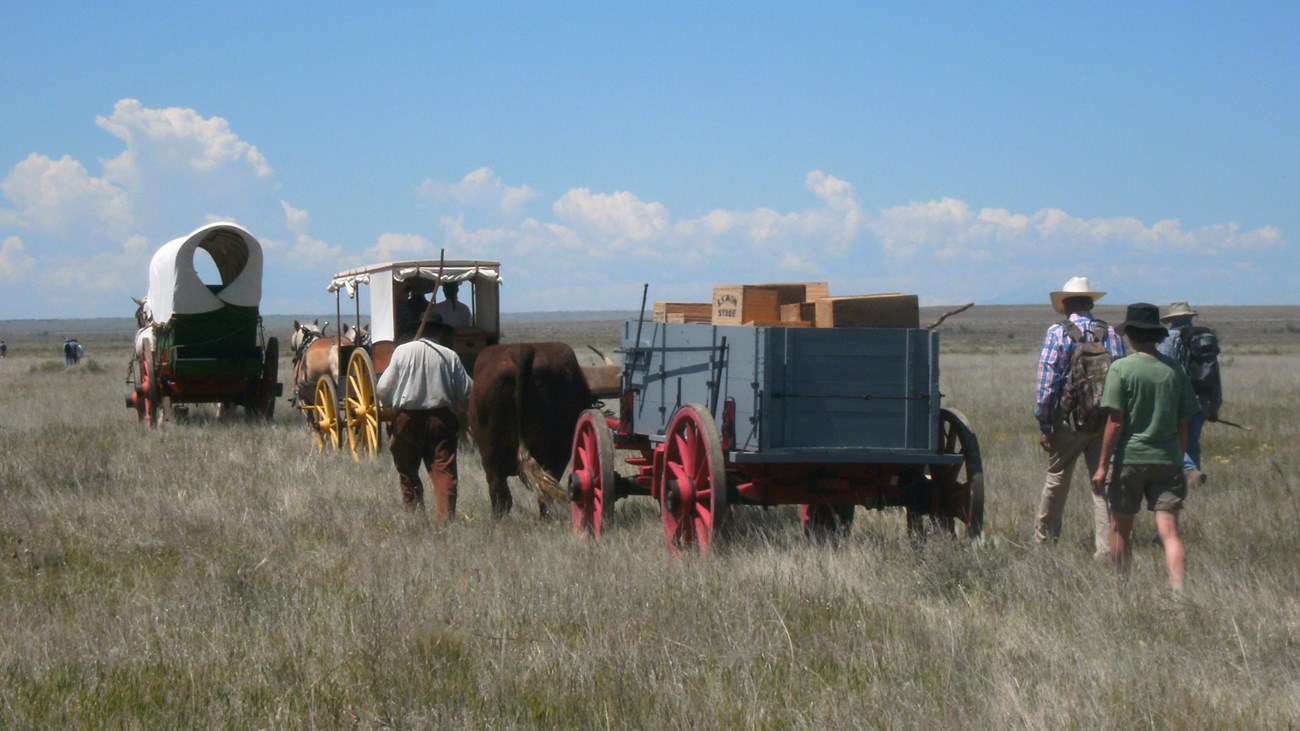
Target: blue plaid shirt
1054	364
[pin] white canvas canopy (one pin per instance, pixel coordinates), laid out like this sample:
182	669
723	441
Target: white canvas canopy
386	280
175	287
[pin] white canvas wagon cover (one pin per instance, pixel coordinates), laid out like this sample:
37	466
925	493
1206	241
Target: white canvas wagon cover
174	284
392	275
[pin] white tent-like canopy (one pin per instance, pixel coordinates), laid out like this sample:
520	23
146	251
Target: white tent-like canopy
386	281
174	284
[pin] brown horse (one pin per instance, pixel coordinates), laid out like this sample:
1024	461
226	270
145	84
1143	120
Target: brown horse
314	355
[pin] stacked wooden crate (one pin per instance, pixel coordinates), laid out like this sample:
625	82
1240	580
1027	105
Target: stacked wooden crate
793	304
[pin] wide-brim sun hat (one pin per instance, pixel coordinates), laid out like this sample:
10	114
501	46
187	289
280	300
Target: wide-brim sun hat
1144	316
1076	287
1177	310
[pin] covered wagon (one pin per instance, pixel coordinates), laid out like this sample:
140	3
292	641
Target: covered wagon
203	342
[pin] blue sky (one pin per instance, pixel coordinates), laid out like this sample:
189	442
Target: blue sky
954	151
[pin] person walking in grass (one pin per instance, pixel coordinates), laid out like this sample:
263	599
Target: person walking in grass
1196	349
1063	440
426	384
1149	400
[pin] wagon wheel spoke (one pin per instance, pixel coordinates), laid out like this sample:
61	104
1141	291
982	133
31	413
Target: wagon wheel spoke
359	402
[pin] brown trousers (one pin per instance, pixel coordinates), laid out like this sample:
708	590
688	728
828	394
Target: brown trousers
427	437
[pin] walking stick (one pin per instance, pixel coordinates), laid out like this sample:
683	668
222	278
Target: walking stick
428	310
1225	422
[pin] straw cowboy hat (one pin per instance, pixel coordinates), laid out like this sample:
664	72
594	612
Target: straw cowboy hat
1177	310
1076	287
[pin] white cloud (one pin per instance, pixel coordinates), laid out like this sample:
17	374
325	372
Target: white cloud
294	218
482	190
398	247
312	253
14	261
59	197
174	136
618	218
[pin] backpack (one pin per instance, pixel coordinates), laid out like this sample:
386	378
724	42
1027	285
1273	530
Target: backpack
1202	359
1089	364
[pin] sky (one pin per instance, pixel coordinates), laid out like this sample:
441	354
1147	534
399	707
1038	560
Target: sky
962	152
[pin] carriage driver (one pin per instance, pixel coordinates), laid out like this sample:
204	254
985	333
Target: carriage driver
427	386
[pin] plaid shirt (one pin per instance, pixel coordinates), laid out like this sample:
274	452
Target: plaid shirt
1054	364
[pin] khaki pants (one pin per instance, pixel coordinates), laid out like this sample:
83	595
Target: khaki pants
1067	445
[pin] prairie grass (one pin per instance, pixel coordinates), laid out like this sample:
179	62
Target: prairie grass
224	574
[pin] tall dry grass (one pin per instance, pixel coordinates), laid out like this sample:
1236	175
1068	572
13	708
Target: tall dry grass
225	574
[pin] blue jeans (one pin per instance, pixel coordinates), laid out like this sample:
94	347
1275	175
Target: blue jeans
1192	460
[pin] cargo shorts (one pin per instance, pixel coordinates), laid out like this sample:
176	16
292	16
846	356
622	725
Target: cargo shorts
1163	485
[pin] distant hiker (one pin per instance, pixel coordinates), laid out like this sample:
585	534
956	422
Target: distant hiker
4	349
69	352
1196	349
1067	407
77	352
1150	400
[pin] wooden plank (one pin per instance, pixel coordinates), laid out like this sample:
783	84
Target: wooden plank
875	310
683	312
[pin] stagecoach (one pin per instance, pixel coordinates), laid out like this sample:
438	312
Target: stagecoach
342	406
828	419
203	342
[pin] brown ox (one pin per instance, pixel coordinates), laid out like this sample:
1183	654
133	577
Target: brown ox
523	409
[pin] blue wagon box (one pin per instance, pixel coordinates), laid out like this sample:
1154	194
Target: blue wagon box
799	394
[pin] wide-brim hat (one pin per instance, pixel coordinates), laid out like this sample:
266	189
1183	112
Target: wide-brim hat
1144	316
1177	310
1076	287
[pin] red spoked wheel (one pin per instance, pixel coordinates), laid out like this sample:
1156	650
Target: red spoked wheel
592	491
693	491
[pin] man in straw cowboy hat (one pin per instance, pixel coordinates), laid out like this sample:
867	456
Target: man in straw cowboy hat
1196	349
1057	436
1149	399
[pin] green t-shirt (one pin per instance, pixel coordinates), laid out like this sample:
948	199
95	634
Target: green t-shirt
1154	394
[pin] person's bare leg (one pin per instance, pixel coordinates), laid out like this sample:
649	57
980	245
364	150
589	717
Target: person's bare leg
1121	552
1175	557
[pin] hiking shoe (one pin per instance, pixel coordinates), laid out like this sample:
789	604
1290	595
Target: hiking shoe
1196	478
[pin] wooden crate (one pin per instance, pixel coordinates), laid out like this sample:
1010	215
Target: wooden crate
737	304
799	312
683	312
873	310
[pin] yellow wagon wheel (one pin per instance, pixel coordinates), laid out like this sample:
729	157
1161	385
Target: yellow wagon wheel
325	414
360	406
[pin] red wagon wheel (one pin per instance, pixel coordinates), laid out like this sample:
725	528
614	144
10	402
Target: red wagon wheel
591	479
956	490
693	490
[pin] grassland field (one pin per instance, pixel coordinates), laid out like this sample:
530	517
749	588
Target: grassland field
224	574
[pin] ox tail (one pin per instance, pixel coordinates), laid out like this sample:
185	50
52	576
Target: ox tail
535	477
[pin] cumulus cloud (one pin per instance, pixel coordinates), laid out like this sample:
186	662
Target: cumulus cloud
952	229
173	137
60	197
482	190
398	247
14	261
617	218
